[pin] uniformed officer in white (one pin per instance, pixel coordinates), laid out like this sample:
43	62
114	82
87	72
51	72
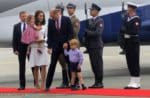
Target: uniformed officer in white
132	27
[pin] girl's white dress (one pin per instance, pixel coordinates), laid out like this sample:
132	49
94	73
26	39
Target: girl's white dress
42	58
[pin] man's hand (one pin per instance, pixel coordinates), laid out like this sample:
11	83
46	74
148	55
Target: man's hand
65	46
50	51
16	53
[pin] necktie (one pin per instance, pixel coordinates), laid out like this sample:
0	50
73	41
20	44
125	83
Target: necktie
24	27
57	24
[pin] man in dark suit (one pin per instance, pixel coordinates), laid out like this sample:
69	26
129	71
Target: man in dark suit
60	31
95	45
19	48
62	59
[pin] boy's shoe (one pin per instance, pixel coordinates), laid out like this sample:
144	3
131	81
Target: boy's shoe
83	87
73	87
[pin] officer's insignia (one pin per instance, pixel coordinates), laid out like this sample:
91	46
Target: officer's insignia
136	23
101	25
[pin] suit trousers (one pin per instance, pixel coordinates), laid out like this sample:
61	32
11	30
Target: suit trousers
63	62
54	58
22	66
96	60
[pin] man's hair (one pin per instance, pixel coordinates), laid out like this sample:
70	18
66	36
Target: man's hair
22	12
55	11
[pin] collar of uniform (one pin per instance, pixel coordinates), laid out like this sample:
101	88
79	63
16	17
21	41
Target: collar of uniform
72	16
95	17
133	17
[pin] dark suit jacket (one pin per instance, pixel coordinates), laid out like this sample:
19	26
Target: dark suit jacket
16	43
56	38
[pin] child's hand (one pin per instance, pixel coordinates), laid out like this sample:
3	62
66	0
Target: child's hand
65	46
37	27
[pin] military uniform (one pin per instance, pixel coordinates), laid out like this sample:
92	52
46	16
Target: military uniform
121	36
95	47
74	20
76	26
132	27
132	44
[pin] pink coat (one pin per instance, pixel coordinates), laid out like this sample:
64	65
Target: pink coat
29	35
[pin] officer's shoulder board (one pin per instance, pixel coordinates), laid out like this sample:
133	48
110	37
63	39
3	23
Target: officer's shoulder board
100	22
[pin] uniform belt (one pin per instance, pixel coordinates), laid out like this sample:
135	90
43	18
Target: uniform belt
127	36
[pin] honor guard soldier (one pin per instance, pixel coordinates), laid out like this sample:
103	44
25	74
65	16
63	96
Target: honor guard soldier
95	44
132	27
71	8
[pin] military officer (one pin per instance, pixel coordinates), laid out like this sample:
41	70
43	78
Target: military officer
132	27
95	44
71	8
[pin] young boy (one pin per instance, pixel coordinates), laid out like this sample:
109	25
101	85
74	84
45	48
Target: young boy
76	60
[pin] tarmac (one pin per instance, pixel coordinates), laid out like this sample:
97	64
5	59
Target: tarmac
115	73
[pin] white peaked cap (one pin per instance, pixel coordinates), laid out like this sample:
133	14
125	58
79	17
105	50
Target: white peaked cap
132	4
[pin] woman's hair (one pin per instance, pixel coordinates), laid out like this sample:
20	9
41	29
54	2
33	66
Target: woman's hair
29	18
37	22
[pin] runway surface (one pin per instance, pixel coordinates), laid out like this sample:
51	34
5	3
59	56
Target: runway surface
115	73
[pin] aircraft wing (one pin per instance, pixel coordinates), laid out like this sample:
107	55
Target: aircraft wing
10	4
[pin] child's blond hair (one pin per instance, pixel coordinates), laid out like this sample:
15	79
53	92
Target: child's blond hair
29	19
74	42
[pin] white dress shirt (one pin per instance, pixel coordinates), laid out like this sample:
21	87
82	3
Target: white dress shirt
22	24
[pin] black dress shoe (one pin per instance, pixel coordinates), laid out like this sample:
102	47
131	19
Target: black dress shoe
127	87
63	86
122	53
83	87
46	90
21	88
73	87
97	85
85	52
77	85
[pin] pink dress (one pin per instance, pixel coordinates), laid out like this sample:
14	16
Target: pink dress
29	35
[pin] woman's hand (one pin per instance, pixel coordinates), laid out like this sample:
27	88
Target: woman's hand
50	51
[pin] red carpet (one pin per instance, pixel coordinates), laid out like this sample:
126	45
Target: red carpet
97	92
